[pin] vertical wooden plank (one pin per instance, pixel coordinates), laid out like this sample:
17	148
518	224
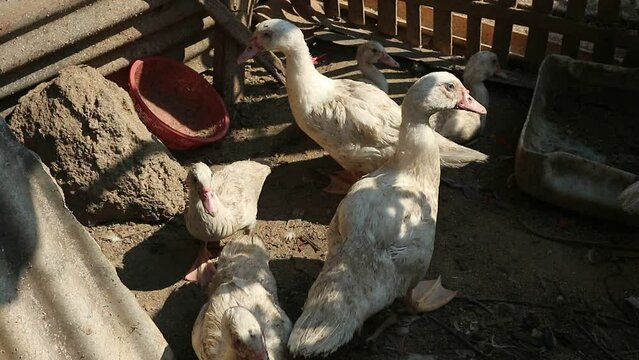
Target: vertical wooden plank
228	76
501	40
356	11
473	35
387	16
537	37
442	39
570	43
607	14
331	8
413	23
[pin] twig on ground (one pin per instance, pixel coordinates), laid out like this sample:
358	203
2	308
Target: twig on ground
476	302
309	240
594	341
458	336
584	243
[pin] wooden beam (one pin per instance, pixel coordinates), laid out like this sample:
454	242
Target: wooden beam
570	43
537	37
356	12
473	35
607	14
413	23
442	39
331	8
225	19
387	20
228	76
502	34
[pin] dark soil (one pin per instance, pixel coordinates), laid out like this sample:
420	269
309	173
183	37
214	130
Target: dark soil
601	118
522	296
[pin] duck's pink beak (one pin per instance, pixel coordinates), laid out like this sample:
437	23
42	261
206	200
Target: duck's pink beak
467	102
208	200
253	48
388	60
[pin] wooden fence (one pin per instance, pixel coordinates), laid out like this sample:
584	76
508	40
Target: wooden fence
462	20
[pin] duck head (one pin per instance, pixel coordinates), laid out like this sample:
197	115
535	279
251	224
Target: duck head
482	66
245	334
199	181
439	91
272	35
372	52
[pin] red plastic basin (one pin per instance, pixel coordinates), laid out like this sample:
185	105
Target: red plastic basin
177	104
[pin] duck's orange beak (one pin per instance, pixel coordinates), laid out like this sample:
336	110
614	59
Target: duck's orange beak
469	103
253	48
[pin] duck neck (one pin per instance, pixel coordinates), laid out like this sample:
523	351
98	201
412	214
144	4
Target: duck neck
417	150
302	78
372	73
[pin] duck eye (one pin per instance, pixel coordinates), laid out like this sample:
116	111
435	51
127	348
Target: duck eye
375	51
450	87
267	34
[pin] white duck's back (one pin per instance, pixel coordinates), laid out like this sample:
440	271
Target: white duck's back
242	278
207	336
238	186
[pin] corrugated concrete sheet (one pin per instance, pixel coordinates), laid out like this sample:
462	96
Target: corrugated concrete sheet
59	296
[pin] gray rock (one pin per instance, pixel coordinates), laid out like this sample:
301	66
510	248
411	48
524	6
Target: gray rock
110	167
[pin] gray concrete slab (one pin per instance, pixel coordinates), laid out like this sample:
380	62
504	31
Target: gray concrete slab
59	296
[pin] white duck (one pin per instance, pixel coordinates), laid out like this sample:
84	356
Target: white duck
242	319
222	203
464	126
369	54
356	123
382	235
630	198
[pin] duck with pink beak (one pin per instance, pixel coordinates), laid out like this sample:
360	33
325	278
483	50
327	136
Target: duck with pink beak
369	54
356	123
220	204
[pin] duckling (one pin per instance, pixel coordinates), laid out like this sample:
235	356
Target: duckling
369	54
464	126
222	203
242	319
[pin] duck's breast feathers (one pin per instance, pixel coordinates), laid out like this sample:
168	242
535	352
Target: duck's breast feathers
384	208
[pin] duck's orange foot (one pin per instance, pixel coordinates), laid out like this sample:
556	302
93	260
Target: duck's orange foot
200	265
341	182
429	295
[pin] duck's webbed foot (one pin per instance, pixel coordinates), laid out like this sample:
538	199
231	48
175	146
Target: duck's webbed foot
203	256
429	295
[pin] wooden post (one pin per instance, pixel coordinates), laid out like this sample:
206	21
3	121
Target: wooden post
387	18
608	15
442	36
413	23
356	12
331	8
537	37
570	43
228	76
473	35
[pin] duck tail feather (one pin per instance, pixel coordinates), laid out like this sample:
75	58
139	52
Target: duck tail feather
333	311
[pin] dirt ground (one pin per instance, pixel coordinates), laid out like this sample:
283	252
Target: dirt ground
521	295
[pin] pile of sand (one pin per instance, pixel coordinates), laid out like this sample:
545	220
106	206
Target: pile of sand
110	167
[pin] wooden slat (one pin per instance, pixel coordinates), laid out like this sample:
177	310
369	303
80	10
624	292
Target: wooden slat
356	11
442	39
413	23
537	37
331	8
473	35
387	20
501	40
570	43
608	14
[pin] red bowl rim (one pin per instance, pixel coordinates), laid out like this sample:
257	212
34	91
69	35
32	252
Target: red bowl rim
135	90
